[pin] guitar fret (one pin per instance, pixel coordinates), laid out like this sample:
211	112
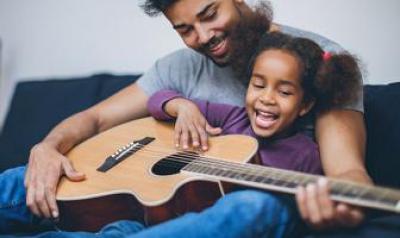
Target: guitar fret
291	184
225	173
258	179
268	180
247	174
219	172
203	169
214	171
241	176
284	179
298	180
384	195
279	182
196	167
390	201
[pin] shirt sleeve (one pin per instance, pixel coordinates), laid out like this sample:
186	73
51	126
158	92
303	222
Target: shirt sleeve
155	79
217	115
173	71
156	102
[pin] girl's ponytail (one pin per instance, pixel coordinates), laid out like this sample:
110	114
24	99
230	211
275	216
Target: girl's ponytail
338	80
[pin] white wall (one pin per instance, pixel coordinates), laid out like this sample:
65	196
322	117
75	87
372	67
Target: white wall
46	38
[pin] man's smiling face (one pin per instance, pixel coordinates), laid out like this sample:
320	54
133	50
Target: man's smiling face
206	25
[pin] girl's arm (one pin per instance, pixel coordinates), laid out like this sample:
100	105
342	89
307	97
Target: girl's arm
191	126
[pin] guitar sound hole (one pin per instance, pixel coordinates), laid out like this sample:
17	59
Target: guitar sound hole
173	163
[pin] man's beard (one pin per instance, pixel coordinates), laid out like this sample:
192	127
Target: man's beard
246	37
205	49
242	38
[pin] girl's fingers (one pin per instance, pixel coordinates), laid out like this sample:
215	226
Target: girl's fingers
203	137
194	136
177	136
214	131
184	139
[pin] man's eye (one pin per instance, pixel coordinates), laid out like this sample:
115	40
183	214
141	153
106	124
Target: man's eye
210	15
185	31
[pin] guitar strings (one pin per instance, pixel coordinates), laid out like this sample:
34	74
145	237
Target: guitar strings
213	163
272	173
187	156
251	169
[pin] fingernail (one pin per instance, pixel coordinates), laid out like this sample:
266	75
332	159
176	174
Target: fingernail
55	214
310	187
322	182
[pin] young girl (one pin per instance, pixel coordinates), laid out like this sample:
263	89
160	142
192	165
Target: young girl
288	77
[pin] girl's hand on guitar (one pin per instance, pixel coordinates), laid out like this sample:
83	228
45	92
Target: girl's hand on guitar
190	125
46	166
320	212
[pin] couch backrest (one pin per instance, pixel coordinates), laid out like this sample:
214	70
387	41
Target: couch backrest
382	115
37	106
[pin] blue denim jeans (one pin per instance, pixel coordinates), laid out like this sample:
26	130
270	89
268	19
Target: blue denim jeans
245	213
14	214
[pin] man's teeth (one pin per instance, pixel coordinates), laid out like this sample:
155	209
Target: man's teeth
215	43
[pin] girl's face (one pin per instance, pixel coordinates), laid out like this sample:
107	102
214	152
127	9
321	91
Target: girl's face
275	97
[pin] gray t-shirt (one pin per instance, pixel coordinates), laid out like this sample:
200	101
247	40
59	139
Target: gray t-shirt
198	77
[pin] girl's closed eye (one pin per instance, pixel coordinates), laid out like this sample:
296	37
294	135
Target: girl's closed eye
285	92
258	83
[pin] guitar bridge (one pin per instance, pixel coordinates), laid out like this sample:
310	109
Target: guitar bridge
123	153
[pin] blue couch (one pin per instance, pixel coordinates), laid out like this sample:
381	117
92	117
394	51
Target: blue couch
37	106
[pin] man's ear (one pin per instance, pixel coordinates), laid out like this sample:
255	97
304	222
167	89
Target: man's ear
306	107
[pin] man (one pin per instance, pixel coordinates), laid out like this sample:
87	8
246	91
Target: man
205	26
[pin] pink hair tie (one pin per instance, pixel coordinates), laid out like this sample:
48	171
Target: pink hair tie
326	56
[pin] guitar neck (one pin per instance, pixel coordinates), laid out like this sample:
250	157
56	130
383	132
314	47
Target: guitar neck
287	181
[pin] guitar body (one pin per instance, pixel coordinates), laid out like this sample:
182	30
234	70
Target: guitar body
133	188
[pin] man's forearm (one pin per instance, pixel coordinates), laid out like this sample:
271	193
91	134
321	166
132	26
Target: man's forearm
113	111
341	137
72	131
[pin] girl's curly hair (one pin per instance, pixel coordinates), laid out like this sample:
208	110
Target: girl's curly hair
331	82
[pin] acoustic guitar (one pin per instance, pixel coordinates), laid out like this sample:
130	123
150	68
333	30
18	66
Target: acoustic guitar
133	171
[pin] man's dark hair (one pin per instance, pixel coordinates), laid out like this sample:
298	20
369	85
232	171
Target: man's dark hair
246	37
156	7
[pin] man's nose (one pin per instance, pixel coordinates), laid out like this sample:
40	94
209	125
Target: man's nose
203	34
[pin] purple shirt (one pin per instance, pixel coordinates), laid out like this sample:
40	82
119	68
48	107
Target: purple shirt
297	152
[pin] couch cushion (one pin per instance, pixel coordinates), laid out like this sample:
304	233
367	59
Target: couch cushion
382	115
37	106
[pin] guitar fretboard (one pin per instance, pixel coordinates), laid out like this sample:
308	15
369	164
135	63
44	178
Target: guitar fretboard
287	181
